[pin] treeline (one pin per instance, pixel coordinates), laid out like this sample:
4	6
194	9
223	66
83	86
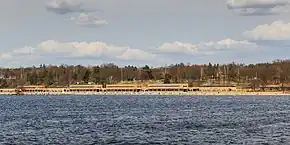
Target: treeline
275	72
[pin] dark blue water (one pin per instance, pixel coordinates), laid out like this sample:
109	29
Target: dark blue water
144	120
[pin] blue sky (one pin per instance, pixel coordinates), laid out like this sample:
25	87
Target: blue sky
138	32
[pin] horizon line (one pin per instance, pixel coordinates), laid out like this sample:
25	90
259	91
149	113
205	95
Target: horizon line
151	66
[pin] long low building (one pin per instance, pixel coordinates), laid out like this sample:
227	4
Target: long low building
85	86
119	88
167	85
217	88
4	91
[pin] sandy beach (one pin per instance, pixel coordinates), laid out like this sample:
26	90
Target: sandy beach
177	93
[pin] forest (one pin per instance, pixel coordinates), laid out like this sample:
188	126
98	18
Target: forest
275	72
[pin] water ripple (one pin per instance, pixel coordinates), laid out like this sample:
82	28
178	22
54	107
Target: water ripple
144	120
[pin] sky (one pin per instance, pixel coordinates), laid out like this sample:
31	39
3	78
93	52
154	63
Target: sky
139	32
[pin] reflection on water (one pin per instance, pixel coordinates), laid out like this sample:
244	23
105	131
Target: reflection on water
144	120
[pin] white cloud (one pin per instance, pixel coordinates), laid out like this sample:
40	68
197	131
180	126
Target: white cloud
24	50
256	3
258	7
228	44
278	30
68	6
73	52
206	47
64	6
85	17
88	20
178	47
95	49
136	54
5	56
83	49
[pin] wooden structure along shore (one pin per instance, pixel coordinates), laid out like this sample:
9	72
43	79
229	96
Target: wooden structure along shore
133	88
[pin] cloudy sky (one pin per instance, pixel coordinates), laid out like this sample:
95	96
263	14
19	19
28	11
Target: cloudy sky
138	32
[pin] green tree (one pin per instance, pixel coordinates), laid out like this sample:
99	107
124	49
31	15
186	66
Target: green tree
210	70
33	78
3	83
167	78
87	76
95	75
147	73
48	80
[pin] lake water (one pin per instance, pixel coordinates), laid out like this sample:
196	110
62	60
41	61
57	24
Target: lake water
144	120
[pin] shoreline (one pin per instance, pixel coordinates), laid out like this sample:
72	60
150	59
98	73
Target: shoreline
145	90
161	93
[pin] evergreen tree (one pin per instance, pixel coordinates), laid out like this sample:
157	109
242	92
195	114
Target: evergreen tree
167	78
87	76
95	75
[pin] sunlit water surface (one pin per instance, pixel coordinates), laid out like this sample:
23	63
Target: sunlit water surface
144	120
